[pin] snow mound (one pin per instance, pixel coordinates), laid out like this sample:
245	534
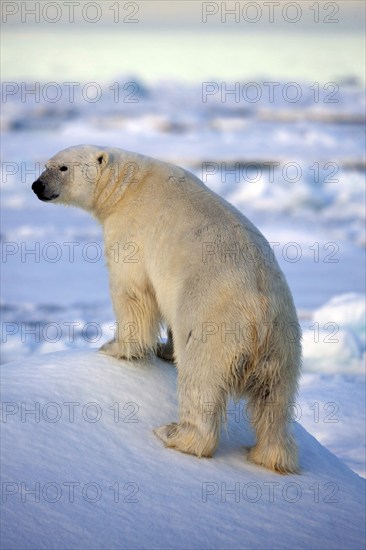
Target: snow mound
335	341
81	468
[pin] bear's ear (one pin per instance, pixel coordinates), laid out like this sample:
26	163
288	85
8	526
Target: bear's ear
102	158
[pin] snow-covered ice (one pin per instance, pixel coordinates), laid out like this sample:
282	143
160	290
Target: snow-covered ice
81	468
341	322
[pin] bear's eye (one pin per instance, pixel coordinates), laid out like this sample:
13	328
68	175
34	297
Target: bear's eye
63	168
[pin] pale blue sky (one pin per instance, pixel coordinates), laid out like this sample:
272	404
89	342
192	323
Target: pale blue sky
170	40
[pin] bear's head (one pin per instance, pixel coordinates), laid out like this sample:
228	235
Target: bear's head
71	176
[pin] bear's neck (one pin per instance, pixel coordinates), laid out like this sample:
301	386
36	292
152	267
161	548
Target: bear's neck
111	188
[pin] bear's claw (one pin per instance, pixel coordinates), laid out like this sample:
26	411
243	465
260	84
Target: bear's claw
186	438
164	433
110	348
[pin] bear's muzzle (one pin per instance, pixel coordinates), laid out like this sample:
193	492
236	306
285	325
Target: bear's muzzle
39	189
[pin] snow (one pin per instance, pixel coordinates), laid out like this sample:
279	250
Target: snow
335	341
84	470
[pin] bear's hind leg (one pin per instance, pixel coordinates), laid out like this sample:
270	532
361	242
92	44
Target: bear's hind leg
202	402
165	350
269	407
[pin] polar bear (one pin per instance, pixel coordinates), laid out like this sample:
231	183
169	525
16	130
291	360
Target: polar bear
179	254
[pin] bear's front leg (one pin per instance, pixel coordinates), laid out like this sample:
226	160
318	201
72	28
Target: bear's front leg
137	325
136	328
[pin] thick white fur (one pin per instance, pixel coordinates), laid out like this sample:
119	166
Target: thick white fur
190	260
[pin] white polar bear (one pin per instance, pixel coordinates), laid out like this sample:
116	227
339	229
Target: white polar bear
179	254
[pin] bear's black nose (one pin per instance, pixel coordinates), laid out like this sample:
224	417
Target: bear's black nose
38	187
